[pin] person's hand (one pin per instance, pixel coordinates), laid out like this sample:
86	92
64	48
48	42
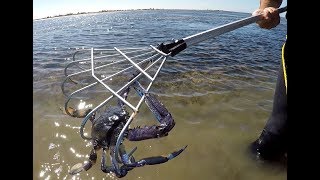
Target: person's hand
270	17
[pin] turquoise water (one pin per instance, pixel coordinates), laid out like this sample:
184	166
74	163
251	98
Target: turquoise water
219	93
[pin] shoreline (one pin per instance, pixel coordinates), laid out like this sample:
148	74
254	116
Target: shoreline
104	11
92	12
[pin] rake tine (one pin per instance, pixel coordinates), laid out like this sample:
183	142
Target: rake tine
120	137
95	83
149	86
77	73
98	67
109	98
135	65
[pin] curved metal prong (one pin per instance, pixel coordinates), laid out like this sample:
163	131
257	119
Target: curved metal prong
108	99
132	151
120	138
99	67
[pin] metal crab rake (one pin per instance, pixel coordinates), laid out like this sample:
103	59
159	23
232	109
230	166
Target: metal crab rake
136	63
140	61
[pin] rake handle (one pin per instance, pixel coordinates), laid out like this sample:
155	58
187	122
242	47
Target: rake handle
196	38
176	47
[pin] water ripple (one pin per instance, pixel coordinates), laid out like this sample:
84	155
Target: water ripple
220	90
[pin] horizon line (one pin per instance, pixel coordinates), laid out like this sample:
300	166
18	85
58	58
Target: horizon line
113	10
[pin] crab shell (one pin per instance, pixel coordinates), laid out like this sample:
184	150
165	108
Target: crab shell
108	125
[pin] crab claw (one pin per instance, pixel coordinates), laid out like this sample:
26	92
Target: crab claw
176	153
77	168
156	159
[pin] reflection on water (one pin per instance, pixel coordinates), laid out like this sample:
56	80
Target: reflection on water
216	127
219	93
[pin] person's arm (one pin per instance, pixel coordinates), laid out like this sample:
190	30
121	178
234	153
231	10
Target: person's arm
270	15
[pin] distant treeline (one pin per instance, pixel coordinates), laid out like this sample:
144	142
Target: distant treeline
69	14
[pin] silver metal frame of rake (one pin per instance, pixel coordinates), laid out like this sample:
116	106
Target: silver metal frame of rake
161	57
165	50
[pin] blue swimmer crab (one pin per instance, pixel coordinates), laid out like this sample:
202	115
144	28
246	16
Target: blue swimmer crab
106	129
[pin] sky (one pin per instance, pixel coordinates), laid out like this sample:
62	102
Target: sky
44	8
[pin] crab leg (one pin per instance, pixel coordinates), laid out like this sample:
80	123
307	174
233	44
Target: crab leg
125	157
155	106
120	172
161	113
104	167
166	124
77	168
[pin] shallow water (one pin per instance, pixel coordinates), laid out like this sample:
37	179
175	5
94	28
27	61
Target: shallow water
219	93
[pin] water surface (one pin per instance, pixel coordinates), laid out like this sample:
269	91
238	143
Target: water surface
219	93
